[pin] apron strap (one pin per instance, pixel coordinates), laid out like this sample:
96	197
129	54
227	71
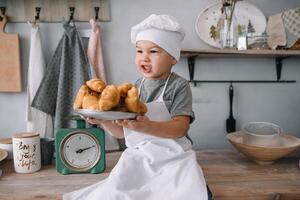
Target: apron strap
140	87
161	96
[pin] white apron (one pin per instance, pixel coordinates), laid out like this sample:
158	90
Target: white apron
151	168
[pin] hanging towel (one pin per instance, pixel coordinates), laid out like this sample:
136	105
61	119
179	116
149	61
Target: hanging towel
291	21
95	56
275	30
37	121
66	72
94	51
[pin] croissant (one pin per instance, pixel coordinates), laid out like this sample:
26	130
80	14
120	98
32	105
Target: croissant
96	85
109	98
90	101
142	108
132	100
83	90
123	89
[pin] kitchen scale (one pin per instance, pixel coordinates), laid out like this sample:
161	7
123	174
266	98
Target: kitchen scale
80	149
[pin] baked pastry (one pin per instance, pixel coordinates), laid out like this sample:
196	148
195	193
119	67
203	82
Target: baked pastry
96	85
96	95
109	98
133	103
123	89
90	101
83	90
142	108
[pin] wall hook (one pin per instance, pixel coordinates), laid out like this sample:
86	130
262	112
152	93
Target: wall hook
37	16
96	12
2	9
72	11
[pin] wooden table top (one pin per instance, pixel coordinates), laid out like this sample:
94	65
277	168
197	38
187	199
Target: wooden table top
229	174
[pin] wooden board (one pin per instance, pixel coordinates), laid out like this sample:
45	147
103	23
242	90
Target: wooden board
56	10
10	64
229	174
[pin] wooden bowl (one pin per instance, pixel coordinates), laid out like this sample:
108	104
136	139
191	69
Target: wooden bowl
264	155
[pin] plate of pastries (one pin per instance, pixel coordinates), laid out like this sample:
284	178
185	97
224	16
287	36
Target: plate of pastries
96	99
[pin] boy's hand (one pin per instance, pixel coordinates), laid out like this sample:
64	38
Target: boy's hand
93	120
140	124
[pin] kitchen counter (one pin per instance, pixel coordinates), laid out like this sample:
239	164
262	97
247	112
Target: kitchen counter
229	174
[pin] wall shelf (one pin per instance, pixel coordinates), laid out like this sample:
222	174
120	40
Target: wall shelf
278	55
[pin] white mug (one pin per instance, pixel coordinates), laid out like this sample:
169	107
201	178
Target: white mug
26	152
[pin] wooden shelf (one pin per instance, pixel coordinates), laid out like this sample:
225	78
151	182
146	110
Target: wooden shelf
279	55
236	53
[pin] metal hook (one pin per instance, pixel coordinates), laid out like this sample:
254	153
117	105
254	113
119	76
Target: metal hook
96	12
72	10
3	9
37	10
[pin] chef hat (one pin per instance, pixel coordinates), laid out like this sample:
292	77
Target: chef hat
163	30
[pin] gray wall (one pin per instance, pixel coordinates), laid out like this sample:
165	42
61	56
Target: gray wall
277	103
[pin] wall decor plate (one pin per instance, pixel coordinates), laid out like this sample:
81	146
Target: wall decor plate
107	115
242	14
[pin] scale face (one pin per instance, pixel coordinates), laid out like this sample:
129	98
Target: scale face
80	150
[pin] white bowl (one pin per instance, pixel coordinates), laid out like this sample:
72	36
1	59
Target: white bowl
6	144
263	134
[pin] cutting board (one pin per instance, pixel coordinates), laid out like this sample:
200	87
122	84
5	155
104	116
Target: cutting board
10	65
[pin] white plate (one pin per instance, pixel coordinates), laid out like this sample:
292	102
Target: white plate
243	12
107	115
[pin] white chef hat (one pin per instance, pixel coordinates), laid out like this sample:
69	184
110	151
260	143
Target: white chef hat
163	30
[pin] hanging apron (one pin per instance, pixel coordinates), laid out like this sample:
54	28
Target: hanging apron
37	121
151	168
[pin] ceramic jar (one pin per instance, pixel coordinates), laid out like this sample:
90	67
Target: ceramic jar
26	152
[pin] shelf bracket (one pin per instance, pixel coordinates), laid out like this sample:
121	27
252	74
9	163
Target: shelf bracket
191	65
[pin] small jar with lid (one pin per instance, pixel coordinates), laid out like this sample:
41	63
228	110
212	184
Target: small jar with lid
26	152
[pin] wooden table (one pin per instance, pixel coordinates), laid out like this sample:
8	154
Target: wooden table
228	173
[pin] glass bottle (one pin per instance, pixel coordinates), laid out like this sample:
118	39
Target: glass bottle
228	28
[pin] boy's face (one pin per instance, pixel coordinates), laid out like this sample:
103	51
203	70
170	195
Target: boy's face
153	61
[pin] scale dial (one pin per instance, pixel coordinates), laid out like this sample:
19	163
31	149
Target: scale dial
80	151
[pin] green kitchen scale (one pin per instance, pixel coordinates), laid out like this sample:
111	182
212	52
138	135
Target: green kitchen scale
80	149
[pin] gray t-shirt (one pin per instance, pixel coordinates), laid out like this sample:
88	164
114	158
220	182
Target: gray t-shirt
177	96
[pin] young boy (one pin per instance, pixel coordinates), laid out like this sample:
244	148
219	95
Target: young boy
158	162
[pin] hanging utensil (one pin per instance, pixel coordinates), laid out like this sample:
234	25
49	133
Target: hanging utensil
230	122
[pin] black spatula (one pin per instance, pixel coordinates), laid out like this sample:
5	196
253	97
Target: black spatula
230	122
